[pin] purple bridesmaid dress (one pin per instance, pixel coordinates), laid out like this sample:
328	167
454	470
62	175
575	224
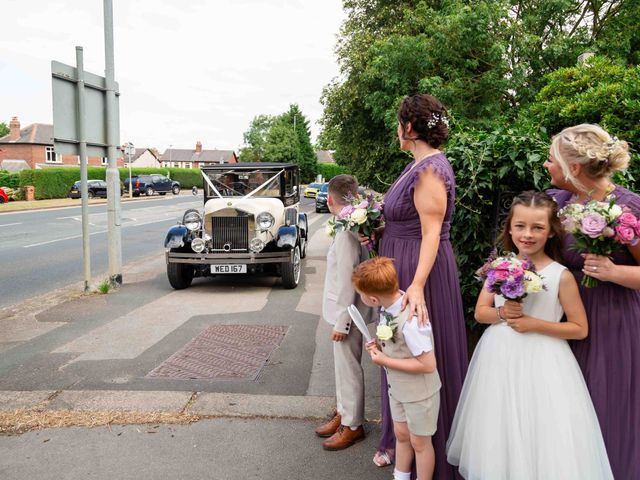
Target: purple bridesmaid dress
610	356
401	241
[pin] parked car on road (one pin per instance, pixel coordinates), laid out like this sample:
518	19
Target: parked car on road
95	188
150	184
312	190
321	198
250	223
3	197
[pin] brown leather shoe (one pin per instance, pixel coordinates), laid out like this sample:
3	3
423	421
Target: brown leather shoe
329	428
343	438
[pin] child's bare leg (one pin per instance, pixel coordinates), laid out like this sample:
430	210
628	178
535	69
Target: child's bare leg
404	451
425	456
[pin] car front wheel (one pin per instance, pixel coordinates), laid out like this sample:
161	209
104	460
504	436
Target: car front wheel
291	270
180	275
175	190
149	191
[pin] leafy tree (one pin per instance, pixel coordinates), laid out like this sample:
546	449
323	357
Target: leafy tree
4	130
255	139
283	138
307	159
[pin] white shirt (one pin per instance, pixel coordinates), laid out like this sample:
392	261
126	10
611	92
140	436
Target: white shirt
418	339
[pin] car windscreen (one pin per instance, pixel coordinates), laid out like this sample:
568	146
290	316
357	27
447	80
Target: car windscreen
238	183
324	188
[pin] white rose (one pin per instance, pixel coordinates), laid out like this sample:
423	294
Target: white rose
532	282
359	216
384	332
614	212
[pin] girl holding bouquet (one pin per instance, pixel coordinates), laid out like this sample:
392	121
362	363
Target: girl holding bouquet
581	162
418	209
525	411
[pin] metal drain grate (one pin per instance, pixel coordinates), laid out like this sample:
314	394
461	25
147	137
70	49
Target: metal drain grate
224	352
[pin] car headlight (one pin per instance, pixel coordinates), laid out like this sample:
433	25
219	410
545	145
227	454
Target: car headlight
197	245
256	245
192	220
265	221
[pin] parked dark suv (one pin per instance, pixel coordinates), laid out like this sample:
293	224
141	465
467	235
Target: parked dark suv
149	184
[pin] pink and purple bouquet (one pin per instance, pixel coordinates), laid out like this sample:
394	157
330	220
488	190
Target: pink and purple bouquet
600	228
510	276
362	215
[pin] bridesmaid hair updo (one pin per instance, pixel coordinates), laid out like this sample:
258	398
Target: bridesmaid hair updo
534	199
591	146
428	119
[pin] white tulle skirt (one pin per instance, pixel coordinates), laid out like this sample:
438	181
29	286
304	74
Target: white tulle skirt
525	413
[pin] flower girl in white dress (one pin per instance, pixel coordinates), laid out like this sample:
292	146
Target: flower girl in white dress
525	412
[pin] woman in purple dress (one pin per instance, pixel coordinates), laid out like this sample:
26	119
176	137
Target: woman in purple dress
581	162
418	208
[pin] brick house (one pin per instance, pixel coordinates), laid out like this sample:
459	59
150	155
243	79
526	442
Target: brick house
184	158
144	157
34	145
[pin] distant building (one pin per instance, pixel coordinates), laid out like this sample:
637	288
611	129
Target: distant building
34	145
325	156
196	158
144	157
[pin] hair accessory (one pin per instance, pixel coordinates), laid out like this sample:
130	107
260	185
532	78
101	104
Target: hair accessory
612	144
435	118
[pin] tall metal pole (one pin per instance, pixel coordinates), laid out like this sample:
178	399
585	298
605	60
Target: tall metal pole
82	138
113	178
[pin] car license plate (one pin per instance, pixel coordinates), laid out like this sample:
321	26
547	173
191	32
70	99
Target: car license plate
228	268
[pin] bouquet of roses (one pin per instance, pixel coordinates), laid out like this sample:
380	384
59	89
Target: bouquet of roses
600	228
362	215
510	276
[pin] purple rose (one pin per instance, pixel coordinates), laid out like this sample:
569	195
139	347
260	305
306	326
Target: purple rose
593	225
512	290
625	235
363	204
346	211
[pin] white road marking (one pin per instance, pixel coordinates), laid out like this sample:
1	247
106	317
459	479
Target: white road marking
10	224
95	233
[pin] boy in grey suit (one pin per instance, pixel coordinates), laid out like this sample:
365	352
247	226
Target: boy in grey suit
344	255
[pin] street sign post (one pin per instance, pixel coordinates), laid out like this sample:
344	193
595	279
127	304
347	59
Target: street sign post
129	151
94	132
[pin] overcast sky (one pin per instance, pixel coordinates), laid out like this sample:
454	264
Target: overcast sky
188	70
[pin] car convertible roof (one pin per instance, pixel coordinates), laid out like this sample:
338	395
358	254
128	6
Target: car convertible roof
247	166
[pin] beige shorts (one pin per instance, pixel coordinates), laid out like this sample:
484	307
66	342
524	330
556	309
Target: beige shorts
421	416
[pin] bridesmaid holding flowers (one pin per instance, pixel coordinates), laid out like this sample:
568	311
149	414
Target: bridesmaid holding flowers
582	160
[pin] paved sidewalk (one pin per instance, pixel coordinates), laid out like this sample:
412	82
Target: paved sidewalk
85	360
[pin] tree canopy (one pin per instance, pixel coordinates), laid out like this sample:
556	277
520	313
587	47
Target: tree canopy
283	138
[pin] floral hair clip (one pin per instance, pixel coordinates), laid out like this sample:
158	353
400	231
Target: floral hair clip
612	144
435	118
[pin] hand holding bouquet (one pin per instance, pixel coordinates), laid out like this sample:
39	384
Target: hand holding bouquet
510	276
363	214
600	228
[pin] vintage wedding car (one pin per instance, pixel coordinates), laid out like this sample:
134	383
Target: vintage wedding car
250	223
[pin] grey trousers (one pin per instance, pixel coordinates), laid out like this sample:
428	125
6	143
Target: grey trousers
349	379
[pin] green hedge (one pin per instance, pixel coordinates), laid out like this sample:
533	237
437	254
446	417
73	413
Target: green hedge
56	182
330	170
8	179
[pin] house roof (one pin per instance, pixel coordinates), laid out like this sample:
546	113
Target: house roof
183	155
36	133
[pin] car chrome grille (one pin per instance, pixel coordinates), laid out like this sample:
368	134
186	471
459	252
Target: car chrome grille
230	234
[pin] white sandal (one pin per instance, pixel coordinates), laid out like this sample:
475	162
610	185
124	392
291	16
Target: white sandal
382	456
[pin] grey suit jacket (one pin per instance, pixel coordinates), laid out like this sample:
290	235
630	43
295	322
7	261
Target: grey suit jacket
345	254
